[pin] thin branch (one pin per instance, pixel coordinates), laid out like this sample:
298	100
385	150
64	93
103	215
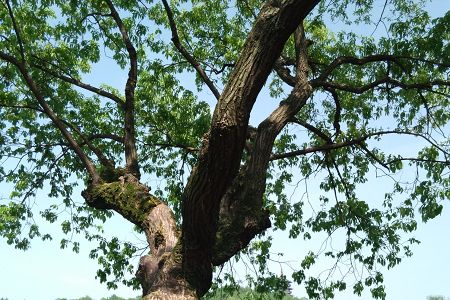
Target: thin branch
132	165
324	147
86	140
343	181
337	113
370	59
78	83
373	156
16	30
357	141
194	63
222	69
38	109
369	86
44	176
101	157
445	162
313	129
110	136
52	115
381	16
103	29
179	146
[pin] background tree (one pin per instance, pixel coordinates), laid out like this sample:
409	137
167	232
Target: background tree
339	95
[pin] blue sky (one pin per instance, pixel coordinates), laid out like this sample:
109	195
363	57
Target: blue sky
45	272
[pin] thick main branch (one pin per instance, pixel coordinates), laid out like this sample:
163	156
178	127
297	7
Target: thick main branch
242	215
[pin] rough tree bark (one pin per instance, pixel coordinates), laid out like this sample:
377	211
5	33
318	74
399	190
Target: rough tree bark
223	199
222	202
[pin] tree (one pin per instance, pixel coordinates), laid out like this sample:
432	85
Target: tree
340	95
435	298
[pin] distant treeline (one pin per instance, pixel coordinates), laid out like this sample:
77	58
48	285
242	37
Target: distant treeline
113	297
219	294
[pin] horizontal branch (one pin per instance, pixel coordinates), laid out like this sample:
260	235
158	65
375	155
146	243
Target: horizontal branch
324	147
328	147
370	59
416	159
179	146
109	136
369	86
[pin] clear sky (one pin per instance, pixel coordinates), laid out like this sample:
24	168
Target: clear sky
45	272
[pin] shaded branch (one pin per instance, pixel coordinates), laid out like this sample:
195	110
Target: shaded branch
284	73
337	113
110	136
241	214
180	146
194	63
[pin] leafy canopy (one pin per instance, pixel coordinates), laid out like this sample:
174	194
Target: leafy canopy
379	70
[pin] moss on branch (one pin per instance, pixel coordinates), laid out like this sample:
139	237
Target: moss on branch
130	199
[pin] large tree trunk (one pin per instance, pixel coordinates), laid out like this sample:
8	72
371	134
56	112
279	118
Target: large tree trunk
223	199
160	273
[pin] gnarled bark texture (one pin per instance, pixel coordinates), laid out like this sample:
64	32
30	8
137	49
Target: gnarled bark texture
222	204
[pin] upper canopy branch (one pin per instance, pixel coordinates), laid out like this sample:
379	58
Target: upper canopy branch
132	165
16	30
355	141
369	86
191	59
76	82
370	59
